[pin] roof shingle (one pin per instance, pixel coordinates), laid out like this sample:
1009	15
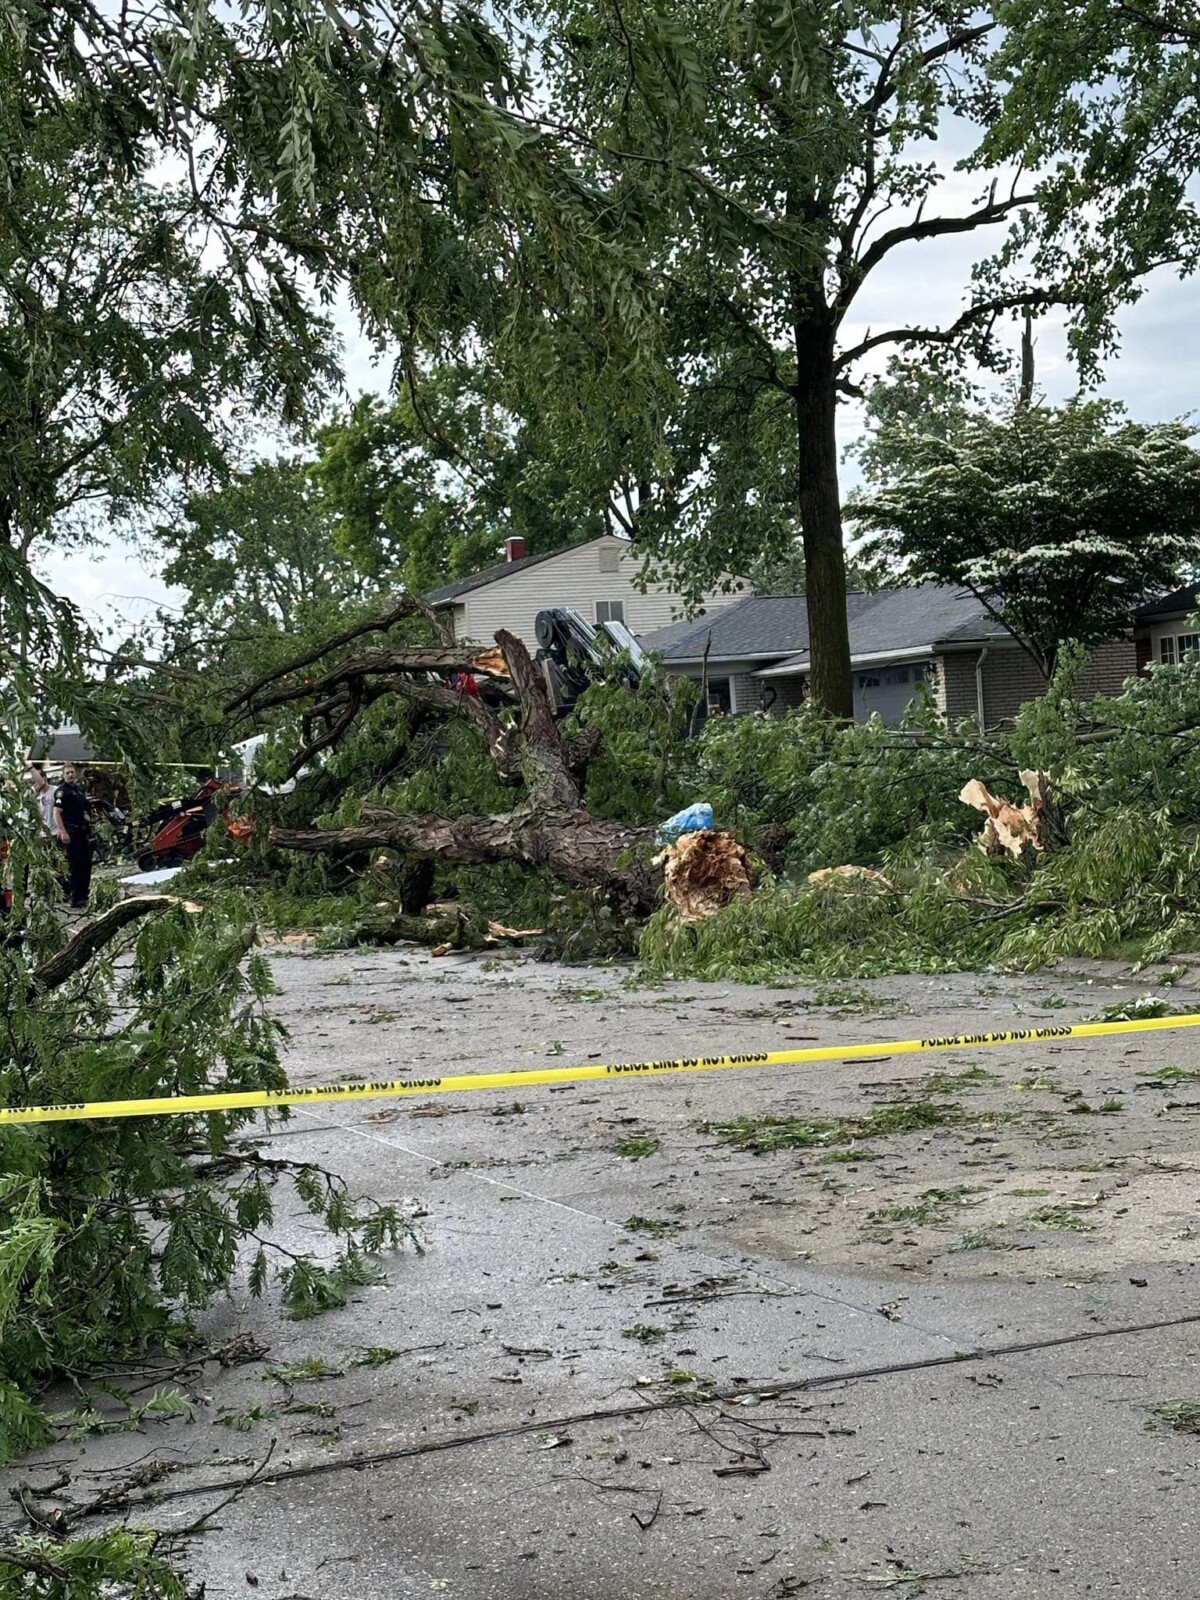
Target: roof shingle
502	569
885	620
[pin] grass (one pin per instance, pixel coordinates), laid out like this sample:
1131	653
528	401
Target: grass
1141	1006
964	1082
1172	1075
643	1333
635	1148
931	1207
1059	1217
761	1134
981	1239
656	1227
842	997
376	1355
243	1421
307	1369
1181	1416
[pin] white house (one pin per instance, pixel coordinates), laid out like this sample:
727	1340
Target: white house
597	579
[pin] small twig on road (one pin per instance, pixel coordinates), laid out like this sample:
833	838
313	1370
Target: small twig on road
200	1525
894	1580
646	1523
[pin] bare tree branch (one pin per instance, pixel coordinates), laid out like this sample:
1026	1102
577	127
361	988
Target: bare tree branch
409	605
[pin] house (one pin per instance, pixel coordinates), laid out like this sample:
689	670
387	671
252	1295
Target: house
754	655
598	579
1164	631
59	745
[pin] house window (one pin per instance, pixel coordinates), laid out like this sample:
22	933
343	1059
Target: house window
610	611
719	698
1166	650
610	558
1185	642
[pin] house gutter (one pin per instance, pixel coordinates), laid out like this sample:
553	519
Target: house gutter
983	655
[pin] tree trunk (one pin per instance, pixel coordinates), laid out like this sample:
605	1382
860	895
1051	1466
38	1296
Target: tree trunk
817	494
579	849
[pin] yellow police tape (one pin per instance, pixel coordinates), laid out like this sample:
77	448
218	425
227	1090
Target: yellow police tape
187	1104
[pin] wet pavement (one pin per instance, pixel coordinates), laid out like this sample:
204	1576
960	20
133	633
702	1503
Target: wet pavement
920	1353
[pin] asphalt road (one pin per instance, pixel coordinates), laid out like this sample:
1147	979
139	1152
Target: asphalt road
637	1360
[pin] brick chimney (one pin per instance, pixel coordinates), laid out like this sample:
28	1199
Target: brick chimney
514	549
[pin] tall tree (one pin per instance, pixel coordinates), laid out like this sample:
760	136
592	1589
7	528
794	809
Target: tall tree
910	402
428	487
818	152
1105	99
125	354
1061	522
258	553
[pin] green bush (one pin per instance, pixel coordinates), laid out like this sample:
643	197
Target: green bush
111	1233
840	792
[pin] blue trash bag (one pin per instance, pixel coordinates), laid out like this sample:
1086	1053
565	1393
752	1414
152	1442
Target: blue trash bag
692	819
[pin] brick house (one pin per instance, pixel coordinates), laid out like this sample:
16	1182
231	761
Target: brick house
753	655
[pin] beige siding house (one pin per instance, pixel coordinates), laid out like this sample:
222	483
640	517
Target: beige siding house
1166	631
597	579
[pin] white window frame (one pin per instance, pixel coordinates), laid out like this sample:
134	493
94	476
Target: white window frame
620	604
1172	647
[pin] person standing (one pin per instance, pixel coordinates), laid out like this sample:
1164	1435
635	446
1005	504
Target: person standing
73	831
43	796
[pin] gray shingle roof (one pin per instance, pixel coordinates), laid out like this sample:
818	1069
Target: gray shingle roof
760	625
64	744
502	569
887	620
1179	602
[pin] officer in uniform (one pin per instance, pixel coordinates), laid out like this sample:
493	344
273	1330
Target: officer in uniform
72	828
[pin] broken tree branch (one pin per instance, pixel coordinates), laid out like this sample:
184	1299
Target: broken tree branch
587	851
88	940
410	605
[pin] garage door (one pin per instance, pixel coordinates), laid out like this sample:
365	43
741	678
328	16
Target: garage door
886	692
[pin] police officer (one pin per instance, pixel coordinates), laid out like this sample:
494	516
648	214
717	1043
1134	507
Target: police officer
73	830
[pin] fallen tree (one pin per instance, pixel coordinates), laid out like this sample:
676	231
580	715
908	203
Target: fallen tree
549	829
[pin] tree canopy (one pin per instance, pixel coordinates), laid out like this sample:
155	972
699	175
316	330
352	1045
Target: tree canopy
428	487
125	353
814	145
1104	100
1060	521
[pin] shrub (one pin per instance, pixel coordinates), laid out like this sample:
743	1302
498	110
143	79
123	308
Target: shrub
112	1232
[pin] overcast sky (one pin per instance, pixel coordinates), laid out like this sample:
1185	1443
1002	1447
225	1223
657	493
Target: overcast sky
1157	376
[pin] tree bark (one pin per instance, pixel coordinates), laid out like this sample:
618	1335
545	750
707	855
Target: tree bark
579	849
92	937
819	500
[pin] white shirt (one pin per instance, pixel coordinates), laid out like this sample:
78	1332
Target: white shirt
45	805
